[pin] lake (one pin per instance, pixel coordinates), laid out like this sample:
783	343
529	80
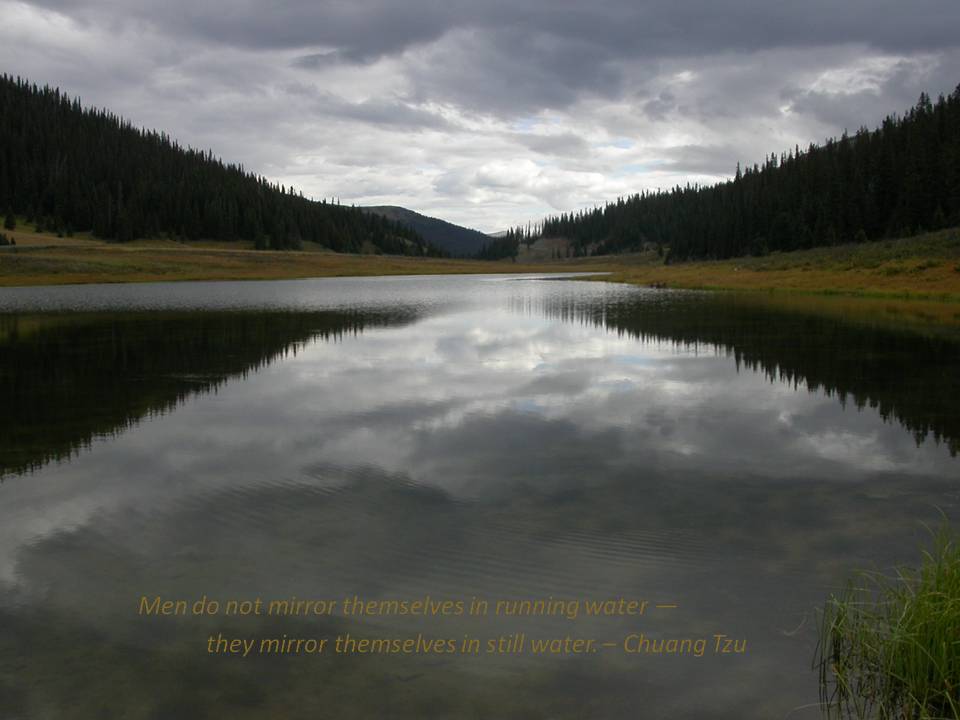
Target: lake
726	460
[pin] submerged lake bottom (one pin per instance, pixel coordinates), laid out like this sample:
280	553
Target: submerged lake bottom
470	496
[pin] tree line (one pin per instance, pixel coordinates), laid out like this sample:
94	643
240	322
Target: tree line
66	168
906	376
507	244
898	180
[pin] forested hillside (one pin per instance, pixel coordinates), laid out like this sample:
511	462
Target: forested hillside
69	169
454	240
506	245
898	180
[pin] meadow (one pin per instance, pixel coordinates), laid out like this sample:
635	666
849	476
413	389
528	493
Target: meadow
922	267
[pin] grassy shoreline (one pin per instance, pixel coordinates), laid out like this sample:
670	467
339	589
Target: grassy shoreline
924	268
888	646
45	260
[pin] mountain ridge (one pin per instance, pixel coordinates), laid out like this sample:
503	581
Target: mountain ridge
456	240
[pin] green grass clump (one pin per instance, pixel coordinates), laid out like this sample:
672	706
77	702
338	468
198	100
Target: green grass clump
890	646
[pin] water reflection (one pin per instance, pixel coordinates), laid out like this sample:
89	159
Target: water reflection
526	439
905	375
66	379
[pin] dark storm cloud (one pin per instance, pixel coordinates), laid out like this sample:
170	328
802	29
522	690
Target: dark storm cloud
563	144
658	28
660	106
535	53
701	159
895	91
389	111
514	70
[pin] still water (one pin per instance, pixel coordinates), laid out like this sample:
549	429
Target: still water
730	459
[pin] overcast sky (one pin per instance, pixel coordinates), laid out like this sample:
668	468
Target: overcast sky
489	112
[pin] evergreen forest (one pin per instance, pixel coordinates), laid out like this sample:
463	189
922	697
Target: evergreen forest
67	169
